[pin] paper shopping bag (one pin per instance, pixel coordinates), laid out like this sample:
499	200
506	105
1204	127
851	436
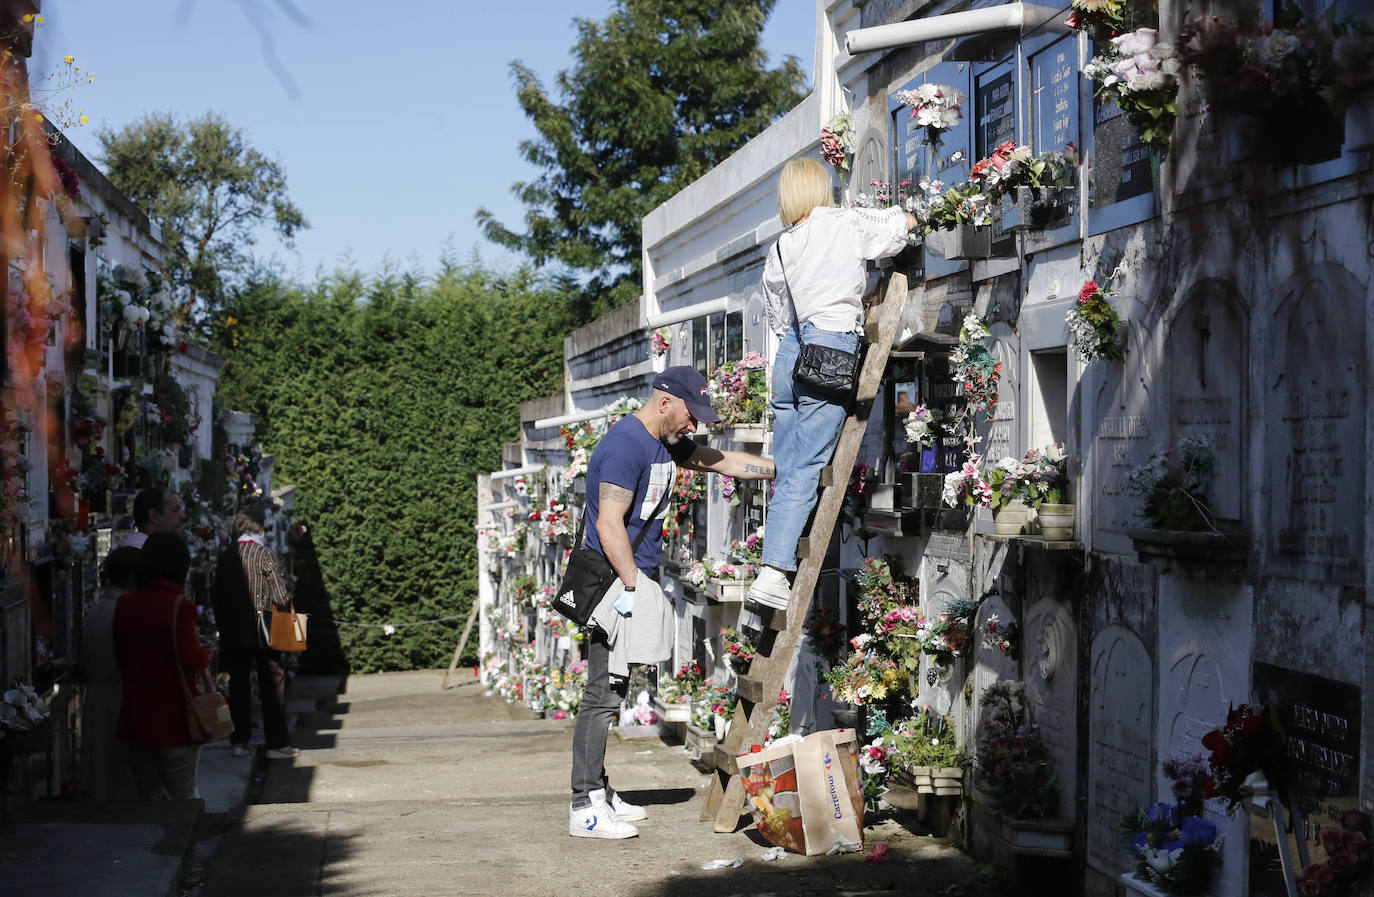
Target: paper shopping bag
806	795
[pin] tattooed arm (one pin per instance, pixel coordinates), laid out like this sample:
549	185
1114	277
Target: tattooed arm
740	465
610	531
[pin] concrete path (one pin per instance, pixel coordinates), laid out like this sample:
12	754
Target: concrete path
402	789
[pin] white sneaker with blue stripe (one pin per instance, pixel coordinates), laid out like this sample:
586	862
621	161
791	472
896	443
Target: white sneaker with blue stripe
626	810
598	820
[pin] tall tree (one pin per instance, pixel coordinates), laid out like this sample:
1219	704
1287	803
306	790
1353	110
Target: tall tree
661	91
209	191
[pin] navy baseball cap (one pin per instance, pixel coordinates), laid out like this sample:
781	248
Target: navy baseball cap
684	382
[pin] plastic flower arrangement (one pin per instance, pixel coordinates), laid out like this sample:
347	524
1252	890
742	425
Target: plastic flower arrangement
1035	479
748	550
888	603
967	486
1249	742
1175	852
739	651
781	724
1002	637
825	634
689	489
1175	486
948	207
739	390
1140	75
936	108
684	687
523	588
922	426
727	487
723	700
697	574
927	739
1096	15
1349	858
1257	66
973	365
1011	166
1012	762
947	635
865	677
873	760
660	342
22	717
837	144
1094	326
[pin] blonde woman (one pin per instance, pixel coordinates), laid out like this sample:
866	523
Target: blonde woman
813	284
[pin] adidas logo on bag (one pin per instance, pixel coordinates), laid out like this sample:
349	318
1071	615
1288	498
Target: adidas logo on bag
567	598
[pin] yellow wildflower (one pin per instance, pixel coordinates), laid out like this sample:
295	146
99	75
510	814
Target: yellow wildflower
28	17
84	119
68	59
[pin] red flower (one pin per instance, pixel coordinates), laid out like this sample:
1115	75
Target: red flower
1215	741
1355	821
1089	290
1251	726
1072	20
1332	839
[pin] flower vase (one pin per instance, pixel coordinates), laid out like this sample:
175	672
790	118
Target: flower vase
1359	121
721	724
1010	517
1056	521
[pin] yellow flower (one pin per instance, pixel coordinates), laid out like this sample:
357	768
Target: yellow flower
38	19
84	119
68	59
28	17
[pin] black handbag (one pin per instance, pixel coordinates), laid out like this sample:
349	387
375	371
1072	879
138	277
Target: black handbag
831	373
589	575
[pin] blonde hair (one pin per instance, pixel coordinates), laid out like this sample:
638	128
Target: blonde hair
804	185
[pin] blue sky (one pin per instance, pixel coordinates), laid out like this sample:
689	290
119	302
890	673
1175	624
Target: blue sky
392	129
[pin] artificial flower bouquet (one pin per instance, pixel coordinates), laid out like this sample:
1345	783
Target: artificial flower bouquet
922	426
685	686
739	390
948	634
935	107
1349	858
1140	75
1095	329
24	717
927	739
1175	485
1034	479
865	677
739	651
1012	763
1249	742
837	144
1175	852
749	550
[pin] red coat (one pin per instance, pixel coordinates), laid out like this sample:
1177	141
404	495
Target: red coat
154	706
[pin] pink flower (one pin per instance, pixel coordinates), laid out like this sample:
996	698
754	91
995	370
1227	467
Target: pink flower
1088	291
560	714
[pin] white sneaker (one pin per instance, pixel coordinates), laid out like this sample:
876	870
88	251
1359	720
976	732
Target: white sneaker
283	753
240	750
598	820
626	810
771	589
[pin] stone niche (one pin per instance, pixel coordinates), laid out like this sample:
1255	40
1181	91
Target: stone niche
1315	420
1120	756
990	664
1049	649
1208	350
1123	436
1002	437
1204	639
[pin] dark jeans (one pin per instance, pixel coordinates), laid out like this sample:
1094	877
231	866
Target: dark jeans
272	691
600	709
165	773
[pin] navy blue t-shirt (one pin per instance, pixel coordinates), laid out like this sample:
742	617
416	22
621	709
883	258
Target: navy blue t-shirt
628	456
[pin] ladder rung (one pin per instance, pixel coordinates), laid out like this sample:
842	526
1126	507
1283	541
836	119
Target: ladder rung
778	622
803	548
872	331
724	760
827	477
749	689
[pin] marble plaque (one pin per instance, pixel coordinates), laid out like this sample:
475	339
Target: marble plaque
1002	438
1316	428
1120	756
1049	648
1124	435
1207	385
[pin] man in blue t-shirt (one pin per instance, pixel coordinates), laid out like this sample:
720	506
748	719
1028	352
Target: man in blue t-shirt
633	467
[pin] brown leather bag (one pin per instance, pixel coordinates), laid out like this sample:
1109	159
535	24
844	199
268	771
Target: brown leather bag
288	630
207	715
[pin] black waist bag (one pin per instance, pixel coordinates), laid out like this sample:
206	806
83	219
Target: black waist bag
589	575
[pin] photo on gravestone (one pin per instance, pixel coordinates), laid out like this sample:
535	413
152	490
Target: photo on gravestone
1321	724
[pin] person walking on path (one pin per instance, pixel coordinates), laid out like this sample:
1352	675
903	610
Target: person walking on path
248	585
156	643
104	758
157	509
633	467
813	284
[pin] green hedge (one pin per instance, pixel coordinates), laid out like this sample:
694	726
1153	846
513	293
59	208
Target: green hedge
382	399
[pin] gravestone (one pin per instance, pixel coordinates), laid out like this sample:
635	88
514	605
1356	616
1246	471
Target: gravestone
995	108
1049	648
1120	756
1207	386
938	683
1054	107
1126	434
1204	641
1316	427
1003	438
990	663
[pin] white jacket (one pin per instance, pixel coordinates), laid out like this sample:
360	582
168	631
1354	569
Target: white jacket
823	258
646	635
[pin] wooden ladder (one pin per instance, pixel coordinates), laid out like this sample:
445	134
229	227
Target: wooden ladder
758	689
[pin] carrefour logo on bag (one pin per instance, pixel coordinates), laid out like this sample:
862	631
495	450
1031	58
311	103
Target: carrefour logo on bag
830	782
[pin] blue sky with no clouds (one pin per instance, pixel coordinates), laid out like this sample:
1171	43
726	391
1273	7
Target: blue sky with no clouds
392	128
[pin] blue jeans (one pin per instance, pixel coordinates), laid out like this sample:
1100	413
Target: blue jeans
805	430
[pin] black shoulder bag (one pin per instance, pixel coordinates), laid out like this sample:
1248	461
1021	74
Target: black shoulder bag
589	575
831	373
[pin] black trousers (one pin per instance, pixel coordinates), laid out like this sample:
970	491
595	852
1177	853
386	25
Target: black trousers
271	688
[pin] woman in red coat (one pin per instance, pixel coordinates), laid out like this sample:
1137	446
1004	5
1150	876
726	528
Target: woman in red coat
152	717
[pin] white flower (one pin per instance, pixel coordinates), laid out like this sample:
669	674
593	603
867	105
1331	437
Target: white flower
388	629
